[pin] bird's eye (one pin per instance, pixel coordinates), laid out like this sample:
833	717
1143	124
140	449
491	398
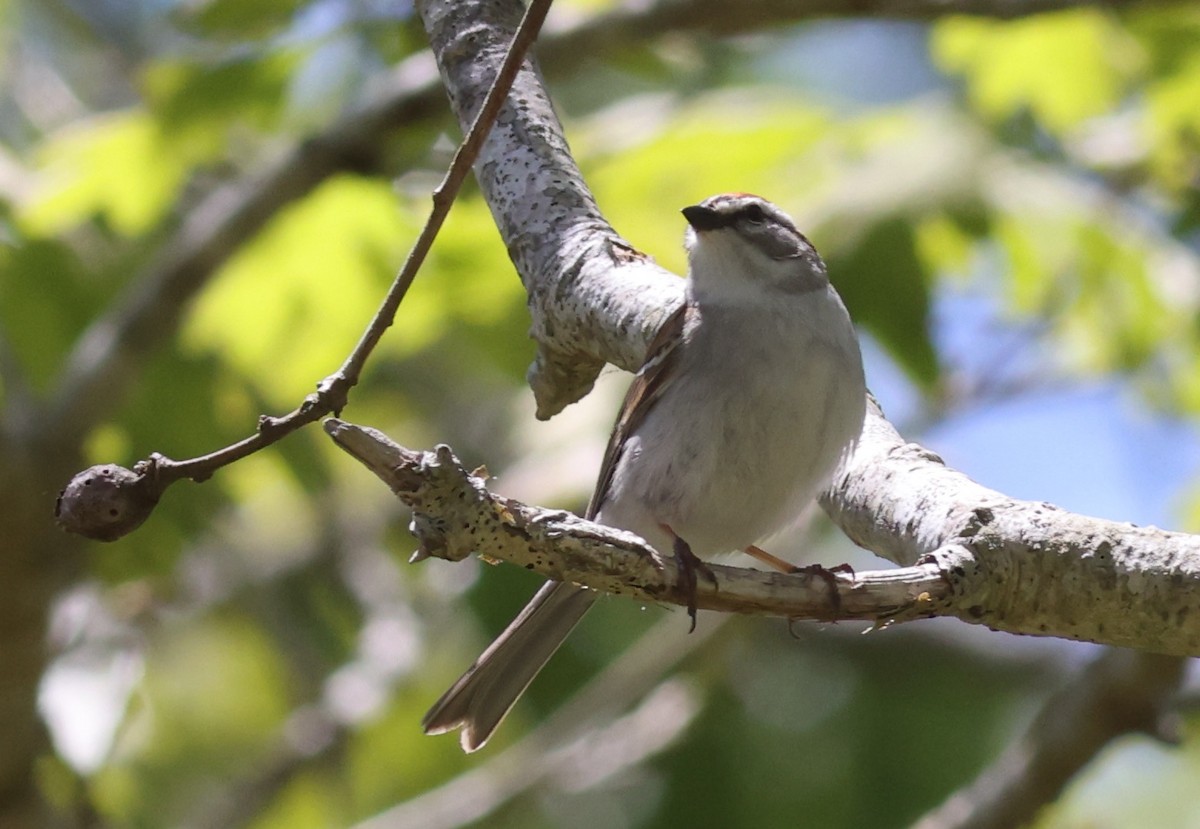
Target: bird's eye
754	214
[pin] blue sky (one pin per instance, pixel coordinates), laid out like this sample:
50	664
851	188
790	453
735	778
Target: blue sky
1087	445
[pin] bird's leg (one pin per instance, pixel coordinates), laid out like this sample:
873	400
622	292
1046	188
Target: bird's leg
771	561
828	574
689	564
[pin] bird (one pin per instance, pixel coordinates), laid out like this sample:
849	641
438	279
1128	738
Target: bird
750	395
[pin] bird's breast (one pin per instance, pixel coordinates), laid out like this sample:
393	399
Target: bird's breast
760	412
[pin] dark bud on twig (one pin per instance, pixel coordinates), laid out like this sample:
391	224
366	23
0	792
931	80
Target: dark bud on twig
105	502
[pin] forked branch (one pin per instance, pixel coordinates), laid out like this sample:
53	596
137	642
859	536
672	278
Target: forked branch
106	502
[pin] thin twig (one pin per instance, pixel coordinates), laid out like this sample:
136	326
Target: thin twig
447	191
151	477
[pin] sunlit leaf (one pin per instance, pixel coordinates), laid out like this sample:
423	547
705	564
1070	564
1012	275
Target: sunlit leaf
1168	34
236	18
1034	253
1063	67
296	298
1118	316
116	165
944	244
308	800
1173	124
201	104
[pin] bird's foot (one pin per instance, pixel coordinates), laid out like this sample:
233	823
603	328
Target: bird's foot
829	576
689	564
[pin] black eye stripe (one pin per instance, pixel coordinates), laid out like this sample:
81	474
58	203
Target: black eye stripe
752	213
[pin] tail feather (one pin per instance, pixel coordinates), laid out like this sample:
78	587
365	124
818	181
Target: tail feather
483	696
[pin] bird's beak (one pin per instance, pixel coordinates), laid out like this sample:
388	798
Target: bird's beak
704	218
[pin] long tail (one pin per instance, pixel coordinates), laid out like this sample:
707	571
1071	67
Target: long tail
484	694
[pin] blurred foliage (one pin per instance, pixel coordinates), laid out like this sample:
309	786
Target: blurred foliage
1004	65
1051	163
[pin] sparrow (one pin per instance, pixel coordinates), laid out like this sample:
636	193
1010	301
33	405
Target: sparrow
749	397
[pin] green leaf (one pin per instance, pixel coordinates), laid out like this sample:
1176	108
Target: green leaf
45	301
117	165
1119	317
201	105
308	800
1064	67
1168	35
237	18
883	283
196	721
1173	125
945	243
286	308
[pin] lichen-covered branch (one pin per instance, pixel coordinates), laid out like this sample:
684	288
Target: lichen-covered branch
455	516
593	297
1038	569
1016	566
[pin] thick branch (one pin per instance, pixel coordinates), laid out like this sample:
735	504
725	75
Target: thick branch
1017	566
1038	569
455	516
593	297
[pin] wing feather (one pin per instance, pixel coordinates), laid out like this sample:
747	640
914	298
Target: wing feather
645	390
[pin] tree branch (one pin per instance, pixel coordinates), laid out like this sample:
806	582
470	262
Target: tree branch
1018	566
593	298
455	516
106	502
1121	692
971	579
105	358
1037	569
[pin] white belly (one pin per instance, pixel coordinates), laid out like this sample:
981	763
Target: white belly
731	453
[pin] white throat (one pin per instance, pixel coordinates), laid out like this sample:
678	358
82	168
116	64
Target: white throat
726	270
